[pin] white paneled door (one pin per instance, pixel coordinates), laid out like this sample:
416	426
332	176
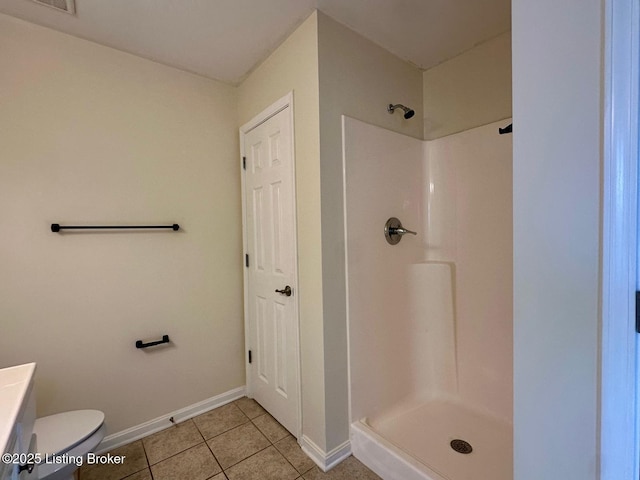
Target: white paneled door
271	266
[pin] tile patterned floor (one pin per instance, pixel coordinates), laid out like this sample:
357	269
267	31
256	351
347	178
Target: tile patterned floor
238	441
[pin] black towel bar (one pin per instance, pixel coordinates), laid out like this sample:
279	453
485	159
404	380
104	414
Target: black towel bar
141	344
56	227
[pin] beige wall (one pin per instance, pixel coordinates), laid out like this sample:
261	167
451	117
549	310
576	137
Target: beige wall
294	67
556	209
93	135
358	79
470	90
332	71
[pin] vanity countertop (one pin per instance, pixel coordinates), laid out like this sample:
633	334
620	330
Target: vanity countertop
15	386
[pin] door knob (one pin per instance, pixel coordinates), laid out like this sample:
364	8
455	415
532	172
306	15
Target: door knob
285	291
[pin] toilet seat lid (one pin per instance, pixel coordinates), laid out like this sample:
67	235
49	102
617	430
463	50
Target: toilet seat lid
62	431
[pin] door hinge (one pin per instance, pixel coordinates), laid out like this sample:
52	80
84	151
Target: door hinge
244	163
246	259
638	312
249	356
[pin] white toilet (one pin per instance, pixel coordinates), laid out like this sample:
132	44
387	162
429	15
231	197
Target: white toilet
69	435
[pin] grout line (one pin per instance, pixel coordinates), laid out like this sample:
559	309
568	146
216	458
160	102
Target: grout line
292	466
204	440
218	434
246	458
214	457
177	453
221	433
146	457
198	430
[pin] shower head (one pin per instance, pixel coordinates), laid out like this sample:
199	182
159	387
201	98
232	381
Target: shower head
408	113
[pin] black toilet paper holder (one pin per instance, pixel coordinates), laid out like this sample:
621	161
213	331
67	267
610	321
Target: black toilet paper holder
141	344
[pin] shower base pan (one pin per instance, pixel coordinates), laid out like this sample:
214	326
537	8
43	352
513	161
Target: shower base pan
415	444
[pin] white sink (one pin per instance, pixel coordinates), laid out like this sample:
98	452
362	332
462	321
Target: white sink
15	386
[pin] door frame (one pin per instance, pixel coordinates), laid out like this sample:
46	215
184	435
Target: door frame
619	343
275	108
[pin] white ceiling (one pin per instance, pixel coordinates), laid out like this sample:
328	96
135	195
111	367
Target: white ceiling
226	39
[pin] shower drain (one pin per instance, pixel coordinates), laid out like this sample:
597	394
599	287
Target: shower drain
461	446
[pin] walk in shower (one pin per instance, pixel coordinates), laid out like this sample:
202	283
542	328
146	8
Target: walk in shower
430	317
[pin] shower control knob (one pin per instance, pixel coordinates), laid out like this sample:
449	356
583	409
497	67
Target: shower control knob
400	231
285	291
393	231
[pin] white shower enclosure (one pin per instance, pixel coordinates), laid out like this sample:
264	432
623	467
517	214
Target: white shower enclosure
430	319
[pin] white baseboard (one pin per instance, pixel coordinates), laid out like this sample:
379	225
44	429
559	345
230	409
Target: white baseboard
157	424
325	461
